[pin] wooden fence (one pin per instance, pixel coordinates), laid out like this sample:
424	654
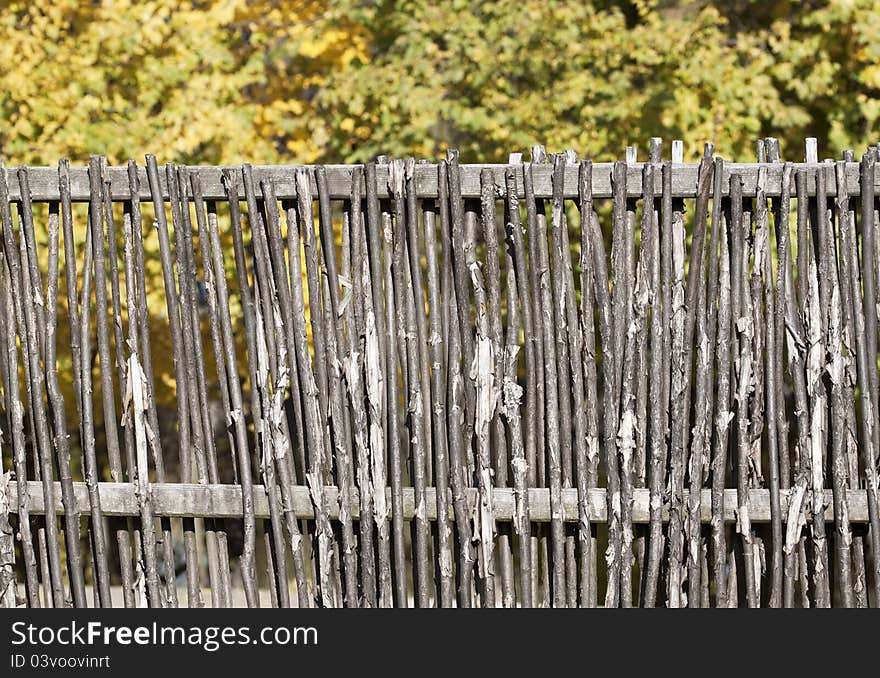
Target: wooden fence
556	383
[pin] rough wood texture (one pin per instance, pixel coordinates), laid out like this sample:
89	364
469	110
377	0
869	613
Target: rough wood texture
558	383
178	500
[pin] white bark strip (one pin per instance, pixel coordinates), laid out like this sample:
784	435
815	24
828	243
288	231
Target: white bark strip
483	376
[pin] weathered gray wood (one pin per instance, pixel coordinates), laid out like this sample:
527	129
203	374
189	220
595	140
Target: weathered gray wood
44	180
224	501
435	436
7	545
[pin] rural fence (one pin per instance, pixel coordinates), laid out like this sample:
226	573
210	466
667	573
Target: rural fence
551	383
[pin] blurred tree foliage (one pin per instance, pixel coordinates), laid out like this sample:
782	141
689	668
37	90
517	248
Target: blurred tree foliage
193	81
268	81
216	81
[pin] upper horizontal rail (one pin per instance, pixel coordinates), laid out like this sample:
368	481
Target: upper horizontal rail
44	180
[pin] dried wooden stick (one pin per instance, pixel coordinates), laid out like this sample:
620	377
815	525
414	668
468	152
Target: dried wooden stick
494	332
819	299
30	293
535	214
216	538
31	266
418	294
589	580
870	279
288	369
551	411
640	361
867	373
177	360
98	218
15	414
409	325
356	313
511	400
684	311
604	307
272	378
563	369
392	407
784	289
454	394
313	403
137	399
194	457
74	324
87	428
637	363
344	470
860	587
375	365
704	396
644	297
206	455
338	421
483	378
123	535
780	228
742	344
100	569
464	244
143	320
584	436
724	340
8	583
437	341
763	263
237	413
70	278
678	413
518	293
796	345
625	291
205	252
660	341
152	431
752	301
276	568
62	445
837	367
527	282
280	436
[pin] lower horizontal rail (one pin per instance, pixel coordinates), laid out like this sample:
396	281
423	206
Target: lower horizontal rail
224	501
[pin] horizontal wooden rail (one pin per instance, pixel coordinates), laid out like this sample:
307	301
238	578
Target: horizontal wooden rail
178	500
44	180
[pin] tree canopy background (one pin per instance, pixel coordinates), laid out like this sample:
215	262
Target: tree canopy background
305	81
